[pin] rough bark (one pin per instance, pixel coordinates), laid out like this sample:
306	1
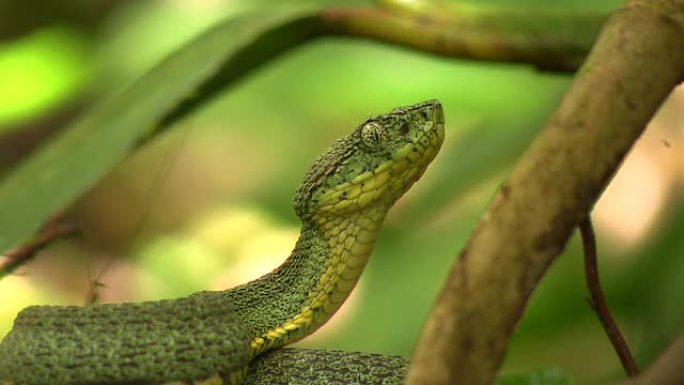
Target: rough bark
636	62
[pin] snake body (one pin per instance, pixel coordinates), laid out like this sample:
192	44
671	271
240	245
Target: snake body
210	337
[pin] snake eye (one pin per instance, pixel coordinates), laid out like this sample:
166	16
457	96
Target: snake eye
373	134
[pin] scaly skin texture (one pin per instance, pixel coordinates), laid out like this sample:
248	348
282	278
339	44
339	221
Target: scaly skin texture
210	337
326	367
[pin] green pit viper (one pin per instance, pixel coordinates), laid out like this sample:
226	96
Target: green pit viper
210	337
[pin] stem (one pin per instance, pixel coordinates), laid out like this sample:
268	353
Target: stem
598	300
52	231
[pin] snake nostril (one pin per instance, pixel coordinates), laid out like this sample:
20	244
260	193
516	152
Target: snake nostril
404	129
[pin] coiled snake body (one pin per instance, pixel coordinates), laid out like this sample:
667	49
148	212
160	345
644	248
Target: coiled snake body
210	337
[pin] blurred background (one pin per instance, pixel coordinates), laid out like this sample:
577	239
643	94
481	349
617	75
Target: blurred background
208	204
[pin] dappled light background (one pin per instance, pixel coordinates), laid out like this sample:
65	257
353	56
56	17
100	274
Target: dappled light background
208	204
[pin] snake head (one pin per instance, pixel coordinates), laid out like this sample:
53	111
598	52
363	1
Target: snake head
375	164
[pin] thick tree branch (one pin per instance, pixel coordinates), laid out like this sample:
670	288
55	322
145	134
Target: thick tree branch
637	60
549	41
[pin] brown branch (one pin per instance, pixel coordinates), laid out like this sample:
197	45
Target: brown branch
636	62
549	41
53	230
598	301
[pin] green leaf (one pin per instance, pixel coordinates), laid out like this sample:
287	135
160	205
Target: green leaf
62	170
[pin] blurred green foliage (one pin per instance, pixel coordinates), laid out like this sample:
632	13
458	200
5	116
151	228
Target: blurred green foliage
537	377
251	146
40	71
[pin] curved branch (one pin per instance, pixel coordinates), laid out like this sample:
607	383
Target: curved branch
637	60
557	41
550	41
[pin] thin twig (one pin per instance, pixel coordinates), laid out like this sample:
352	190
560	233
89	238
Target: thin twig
53	230
598	302
93	295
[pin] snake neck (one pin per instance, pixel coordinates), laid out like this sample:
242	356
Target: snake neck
299	296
